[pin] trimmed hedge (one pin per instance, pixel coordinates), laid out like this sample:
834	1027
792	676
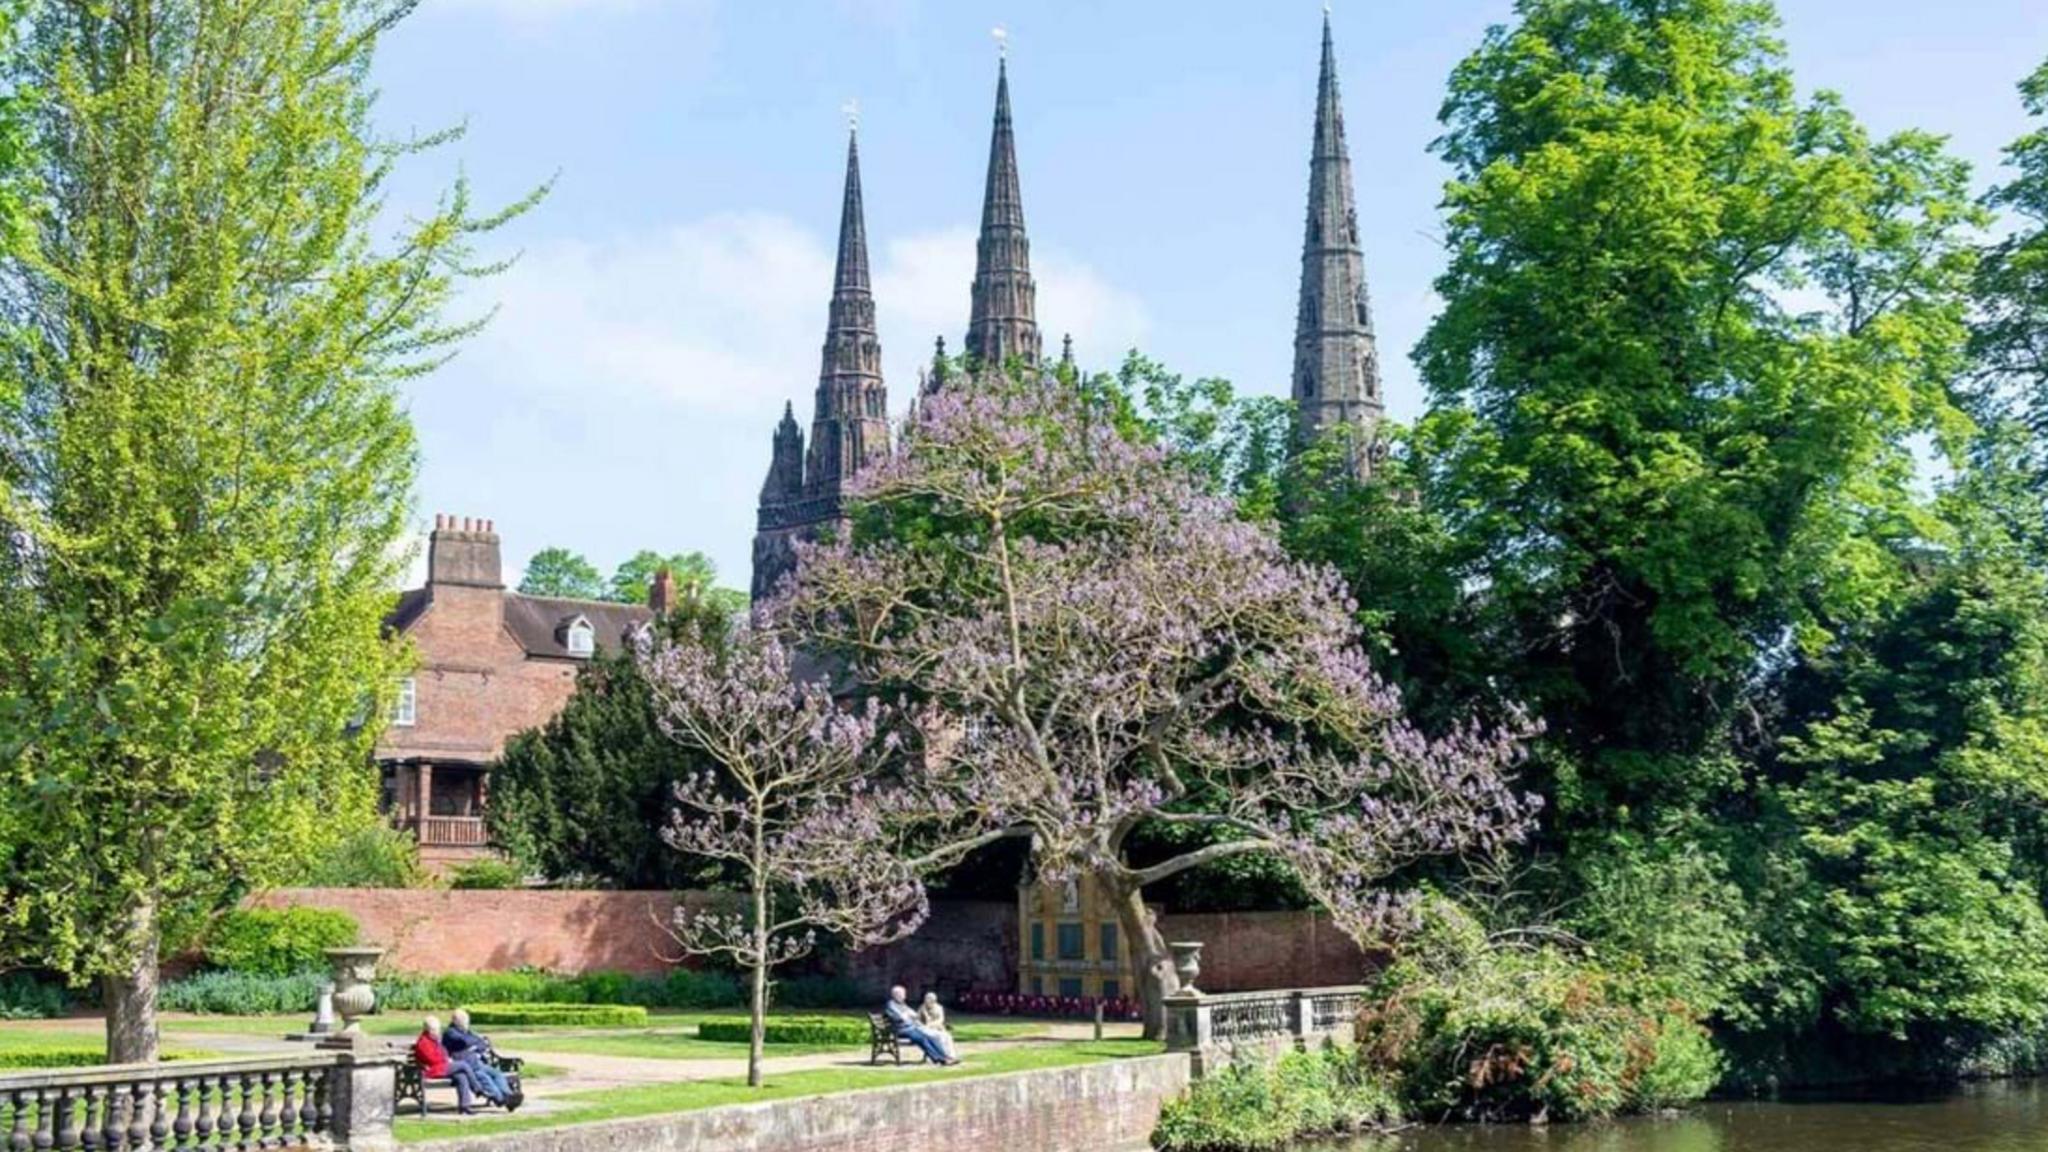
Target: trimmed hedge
551	1015
59	1055
788	1030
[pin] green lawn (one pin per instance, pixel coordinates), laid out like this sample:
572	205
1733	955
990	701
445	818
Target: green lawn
676	1039
690	1095
17	1042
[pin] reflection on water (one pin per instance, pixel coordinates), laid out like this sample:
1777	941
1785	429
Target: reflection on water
1983	1118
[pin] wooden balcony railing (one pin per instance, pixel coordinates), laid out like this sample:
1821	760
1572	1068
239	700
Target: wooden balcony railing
452	832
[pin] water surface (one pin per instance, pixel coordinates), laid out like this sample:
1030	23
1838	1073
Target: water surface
1982	1118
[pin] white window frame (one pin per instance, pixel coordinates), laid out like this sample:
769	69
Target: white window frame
581	630
405	710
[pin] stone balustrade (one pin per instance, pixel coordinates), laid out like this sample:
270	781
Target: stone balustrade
338	1100
1213	1029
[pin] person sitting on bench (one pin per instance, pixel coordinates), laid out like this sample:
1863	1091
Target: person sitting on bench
435	1065
467	1049
903	1018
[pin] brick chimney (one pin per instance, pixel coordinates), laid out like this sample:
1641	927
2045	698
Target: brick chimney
464	552
661	592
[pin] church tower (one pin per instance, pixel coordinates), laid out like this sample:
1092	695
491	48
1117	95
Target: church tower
1004	322
850	420
1336	363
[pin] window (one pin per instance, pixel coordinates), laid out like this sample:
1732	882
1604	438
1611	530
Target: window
582	639
405	711
1109	943
1037	941
1111	990
1070	987
1038	985
1072	942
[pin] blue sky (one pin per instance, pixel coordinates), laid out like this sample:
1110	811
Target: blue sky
670	294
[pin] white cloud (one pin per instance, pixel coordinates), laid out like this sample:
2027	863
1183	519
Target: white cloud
724	315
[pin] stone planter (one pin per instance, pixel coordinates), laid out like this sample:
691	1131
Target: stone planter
354	997
1187	964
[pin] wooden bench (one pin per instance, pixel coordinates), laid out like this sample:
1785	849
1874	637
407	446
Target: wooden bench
882	1039
413	1086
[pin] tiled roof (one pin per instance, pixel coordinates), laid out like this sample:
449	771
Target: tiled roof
541	622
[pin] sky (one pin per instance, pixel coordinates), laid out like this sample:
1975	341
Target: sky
669	293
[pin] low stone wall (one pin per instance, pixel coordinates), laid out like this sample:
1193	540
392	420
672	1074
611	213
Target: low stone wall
1255	951
1104	1107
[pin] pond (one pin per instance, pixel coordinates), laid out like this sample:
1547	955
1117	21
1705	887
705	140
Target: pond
1981	1118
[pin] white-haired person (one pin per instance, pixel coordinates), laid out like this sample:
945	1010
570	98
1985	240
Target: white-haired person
435	1065
470	1050
931	1016
903	1020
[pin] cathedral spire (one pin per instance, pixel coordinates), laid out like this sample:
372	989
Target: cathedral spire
850	424
1004	322
1336	363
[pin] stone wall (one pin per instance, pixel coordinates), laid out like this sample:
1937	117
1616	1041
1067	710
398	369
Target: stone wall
1105	1107
966	945
1255	951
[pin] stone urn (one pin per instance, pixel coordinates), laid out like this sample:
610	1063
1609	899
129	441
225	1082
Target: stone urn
1187	964
354	996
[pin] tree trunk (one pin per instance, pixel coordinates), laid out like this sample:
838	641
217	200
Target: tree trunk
131	996
760	991
1151	960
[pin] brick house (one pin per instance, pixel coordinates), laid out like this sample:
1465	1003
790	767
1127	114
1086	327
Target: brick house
492	663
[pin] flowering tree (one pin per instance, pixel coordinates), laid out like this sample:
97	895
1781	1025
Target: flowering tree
1092	644
791	809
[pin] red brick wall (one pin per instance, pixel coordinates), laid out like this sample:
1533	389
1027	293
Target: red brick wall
428	931
1252	951
967	944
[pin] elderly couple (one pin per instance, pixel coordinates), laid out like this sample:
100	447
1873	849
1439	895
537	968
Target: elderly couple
461	1056
924	1026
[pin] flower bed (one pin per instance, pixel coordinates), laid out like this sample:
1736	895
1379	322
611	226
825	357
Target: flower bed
556	1015
1053	1007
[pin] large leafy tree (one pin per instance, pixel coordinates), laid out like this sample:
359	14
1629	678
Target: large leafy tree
204	480
1692	325
2010	337
1091	644
560	572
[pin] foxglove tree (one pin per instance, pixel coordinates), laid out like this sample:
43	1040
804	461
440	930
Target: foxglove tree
791	808
1086	643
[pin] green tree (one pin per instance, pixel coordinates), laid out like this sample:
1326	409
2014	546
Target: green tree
586	797
1905	806
695	574
1691	328
2010	337
560	572
206	481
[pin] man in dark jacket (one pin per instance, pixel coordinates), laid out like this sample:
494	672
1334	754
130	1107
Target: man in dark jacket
469	1050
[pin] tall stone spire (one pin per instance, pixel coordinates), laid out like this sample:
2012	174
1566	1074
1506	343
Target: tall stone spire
1004	323
1336	363
850	425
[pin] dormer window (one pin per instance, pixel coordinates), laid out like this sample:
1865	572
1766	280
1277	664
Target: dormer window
579	637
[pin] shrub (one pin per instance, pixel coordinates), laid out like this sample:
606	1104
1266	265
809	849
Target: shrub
558	1015
789	1030
819	992
277	941
1254	1106
379	856
1471	1027
1024	1004
241	993
520	986
24	997
71	1055
486	873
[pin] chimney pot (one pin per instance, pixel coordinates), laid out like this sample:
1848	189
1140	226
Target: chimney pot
465	555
